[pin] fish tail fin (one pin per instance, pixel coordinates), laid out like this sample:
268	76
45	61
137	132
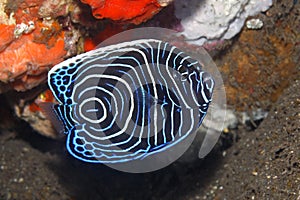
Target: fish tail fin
50	111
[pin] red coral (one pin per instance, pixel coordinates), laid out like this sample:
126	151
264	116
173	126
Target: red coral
25	62
134	11
29	47
6	35
110	30
45	96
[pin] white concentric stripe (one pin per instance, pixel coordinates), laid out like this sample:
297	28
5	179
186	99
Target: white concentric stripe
186	117
131	124
153	82
164	50
102	147
163	121
156	96
113	65
172	122
171	78
192	120
202	89
192	89
105	91
183	59
99	51
181	123
89	120
122	99
174	60
89	54
127	66
73	115
131	98
194	63
88	67
123	50
172	109
178	139
140	152
163	78
179	67
67	115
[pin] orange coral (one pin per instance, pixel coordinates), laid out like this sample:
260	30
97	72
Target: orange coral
25	62
134	11
6	35
29	46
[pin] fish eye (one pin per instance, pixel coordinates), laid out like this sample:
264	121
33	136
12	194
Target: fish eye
183	72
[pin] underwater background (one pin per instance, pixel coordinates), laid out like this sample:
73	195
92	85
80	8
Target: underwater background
258	153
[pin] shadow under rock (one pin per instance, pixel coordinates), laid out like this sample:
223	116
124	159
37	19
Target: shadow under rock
96	181
37	141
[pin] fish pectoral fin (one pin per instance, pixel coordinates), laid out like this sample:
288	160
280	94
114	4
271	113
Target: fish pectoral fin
59	115
48	109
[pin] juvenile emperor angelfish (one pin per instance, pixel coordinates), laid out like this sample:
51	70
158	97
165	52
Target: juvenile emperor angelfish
127	101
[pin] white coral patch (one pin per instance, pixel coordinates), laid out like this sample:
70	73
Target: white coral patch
207	20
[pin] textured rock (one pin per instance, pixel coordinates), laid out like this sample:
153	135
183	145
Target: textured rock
216	20
32	113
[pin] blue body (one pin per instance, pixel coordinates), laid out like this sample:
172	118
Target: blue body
128	101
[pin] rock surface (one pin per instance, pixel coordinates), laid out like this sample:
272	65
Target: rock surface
216	20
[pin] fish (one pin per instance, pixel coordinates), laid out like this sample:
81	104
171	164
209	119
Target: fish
128	101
